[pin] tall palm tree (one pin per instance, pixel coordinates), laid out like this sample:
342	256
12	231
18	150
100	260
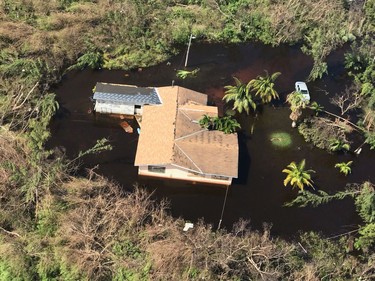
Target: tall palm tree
241	96
297	102
297	176
264	87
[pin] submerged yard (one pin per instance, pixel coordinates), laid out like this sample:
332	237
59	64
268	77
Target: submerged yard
258	194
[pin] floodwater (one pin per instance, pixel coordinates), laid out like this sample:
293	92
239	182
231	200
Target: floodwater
258	194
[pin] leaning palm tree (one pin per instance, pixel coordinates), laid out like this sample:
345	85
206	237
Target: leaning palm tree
264	87
183	74
297	176
216	123
316	107
241	96
205	121
228	125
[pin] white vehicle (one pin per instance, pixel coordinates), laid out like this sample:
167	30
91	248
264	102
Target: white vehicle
302	88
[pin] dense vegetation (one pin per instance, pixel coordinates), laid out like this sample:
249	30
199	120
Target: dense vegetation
58	226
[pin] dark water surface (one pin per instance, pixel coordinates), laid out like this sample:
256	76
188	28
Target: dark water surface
258	194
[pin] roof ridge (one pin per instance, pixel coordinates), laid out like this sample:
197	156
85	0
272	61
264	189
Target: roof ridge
190	109
174	122
187	156
175	116
190	135
184	113
121	85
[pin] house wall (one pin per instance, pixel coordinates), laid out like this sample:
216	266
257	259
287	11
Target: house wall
138	110
106	107
173	172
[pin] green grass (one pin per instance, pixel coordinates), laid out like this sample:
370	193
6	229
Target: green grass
281	139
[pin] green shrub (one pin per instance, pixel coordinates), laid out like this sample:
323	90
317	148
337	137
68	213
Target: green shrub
324	136
15	264
93	60
370	139
19	10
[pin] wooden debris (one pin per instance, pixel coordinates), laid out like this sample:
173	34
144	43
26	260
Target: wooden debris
127	128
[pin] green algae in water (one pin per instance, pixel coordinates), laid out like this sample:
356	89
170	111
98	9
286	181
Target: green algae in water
281	139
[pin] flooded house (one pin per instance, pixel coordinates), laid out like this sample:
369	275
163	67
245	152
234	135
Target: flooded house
173	145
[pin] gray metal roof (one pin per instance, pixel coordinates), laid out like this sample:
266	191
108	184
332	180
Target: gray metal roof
126	94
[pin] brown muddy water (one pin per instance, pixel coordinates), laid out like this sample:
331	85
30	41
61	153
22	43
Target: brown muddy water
258	194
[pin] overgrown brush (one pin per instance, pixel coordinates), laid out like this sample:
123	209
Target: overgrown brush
92	229
131	34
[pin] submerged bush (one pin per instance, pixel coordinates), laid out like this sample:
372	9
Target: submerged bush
281	139
324	134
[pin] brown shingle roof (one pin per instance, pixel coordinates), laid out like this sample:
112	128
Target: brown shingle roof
171	134
156	140
213	152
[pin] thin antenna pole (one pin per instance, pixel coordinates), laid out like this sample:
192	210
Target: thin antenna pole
188	49
222	210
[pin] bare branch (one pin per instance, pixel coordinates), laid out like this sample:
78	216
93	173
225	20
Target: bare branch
15	106
348	100
10	232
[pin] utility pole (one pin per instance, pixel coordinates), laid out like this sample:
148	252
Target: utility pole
188	49
222	210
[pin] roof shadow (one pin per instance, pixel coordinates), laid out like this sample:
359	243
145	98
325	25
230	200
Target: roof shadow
244	160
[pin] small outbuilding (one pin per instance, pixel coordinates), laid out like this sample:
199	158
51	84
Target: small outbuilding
123	99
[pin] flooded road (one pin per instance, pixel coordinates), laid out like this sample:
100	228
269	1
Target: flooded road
258	194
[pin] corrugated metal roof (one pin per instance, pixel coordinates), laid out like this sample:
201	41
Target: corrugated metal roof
126	94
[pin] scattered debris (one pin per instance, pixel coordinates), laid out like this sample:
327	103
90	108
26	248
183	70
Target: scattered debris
187	226
127	128
121	116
